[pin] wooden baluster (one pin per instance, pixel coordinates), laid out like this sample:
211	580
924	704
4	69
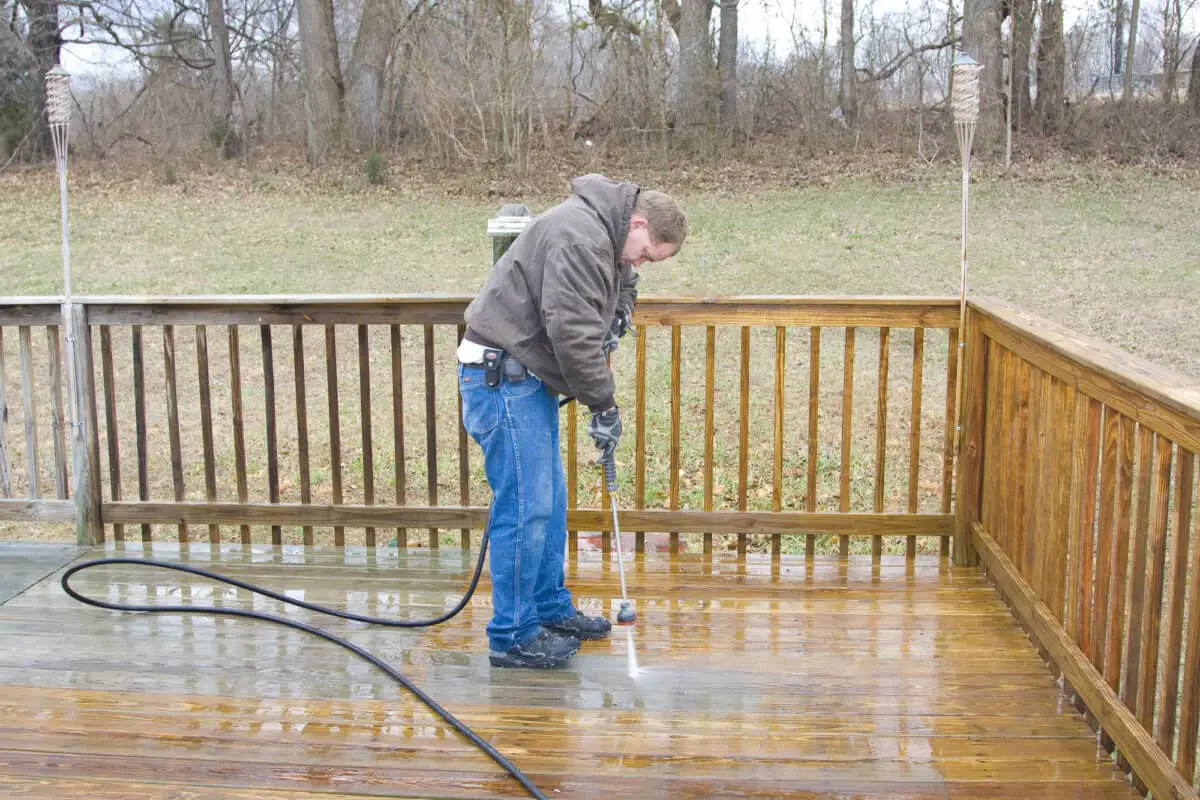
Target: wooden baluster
139	415
951	422
1168	693
1155	583
1189	703
573	471
239	424
464	461
57	428
268	361
1105	525
710	358
676	379
639	474
847	427
85	435
777	467
1119	557
335	428
168	332
1085	450
431	429
1137	574
744	436
5	466
1038	498
206	426
110	422
1061	439
814	443
914	440
881	415
364	405
398	454
32	469
305	464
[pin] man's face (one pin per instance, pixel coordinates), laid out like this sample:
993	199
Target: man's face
639	248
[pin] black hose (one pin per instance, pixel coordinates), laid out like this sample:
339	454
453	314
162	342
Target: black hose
450	719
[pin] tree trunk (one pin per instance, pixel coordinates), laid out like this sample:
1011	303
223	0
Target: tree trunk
1022	52
368	63
727	51
44	45
1135	10
981	39
1052	63
693	105
223	133
1118	51
1172	13
848	83
323	90
1194	82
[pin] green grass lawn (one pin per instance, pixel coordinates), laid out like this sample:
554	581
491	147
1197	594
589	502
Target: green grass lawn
1112	253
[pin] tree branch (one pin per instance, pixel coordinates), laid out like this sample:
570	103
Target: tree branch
893	66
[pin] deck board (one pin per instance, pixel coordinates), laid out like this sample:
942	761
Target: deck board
797	680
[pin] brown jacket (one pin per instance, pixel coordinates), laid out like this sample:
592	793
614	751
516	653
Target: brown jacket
551	298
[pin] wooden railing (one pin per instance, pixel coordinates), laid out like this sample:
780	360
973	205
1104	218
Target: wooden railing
1078	480
213	415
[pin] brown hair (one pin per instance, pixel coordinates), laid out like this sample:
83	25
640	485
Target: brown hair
665	219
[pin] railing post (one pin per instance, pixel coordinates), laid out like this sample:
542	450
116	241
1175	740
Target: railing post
504	228
85	442
969	482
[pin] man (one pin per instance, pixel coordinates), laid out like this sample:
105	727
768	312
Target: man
553	308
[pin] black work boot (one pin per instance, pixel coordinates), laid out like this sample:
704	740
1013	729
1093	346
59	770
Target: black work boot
546	650
582	627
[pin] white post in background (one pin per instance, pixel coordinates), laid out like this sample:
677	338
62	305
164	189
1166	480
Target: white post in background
964	104
58	113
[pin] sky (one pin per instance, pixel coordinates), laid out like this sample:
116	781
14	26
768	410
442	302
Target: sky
758	21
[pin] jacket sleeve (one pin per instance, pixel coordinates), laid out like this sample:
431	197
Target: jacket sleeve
628	291
574	290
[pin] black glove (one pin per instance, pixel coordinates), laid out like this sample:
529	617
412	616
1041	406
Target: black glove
605	431
621	325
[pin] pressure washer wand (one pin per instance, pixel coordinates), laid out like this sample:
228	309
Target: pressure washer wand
626	616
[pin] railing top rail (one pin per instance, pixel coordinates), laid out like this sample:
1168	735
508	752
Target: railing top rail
809	300
1158	397
936	312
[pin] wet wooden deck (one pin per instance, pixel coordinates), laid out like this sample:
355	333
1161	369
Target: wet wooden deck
801	680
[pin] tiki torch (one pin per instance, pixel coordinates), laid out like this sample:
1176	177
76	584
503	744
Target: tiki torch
964	104
58	114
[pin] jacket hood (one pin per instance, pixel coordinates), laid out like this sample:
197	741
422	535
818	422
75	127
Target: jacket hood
612	201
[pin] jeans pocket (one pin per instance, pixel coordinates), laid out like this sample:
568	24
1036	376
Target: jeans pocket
481	405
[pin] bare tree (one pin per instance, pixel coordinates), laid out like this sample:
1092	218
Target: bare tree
981	39
848	82
1194	83
1118	37
1020	57
323	90
1173	48
223	130
693	101
44	45
727	55
1052	67
1135	11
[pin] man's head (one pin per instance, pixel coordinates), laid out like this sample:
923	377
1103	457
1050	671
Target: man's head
657	229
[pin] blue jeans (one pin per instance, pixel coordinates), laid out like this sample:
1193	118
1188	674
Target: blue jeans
516	425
